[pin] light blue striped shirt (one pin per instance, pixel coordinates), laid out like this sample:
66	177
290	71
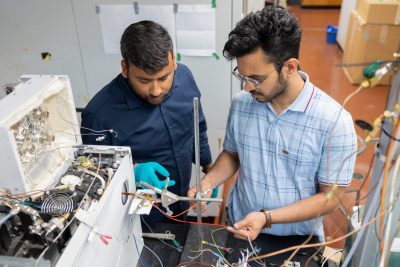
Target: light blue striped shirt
284	158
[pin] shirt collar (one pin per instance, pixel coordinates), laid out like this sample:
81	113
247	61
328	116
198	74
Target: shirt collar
304	98
133	101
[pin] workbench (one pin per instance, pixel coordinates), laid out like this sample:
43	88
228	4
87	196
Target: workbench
188	236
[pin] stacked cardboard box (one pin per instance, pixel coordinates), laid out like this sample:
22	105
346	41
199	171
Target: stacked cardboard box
373	33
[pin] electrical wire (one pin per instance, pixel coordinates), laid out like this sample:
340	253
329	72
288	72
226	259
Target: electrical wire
154	254
96	134
172	218
104	238
358	199
367	217
389	135
216	246
72	219
200	252
254	251
162	241
330	255
332	241
136	245
183	212
182	221
123	244
56	148
385	248
312	256
347	99
315	222
384	183
96	175
85	128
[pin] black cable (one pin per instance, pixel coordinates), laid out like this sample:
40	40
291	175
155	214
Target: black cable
389	135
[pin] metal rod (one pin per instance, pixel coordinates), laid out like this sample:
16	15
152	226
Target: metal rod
141	184
197	152
200	200
147	185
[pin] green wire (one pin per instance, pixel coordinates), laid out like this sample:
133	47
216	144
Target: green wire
216	246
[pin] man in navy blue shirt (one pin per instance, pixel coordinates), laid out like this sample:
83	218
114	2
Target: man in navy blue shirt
149	107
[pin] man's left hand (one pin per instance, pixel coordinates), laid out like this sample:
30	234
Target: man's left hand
249	227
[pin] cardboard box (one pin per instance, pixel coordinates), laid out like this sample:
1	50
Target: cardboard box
379	11
367	43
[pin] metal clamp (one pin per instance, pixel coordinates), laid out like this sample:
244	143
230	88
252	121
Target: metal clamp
167	235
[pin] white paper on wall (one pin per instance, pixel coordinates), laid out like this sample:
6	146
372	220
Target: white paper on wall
195	30
114	19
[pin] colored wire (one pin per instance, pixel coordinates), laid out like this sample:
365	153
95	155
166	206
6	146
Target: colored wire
254	251
312	256
358	198
162	241
154	254
104	238
347	99
94	131
182	221
327	258
311	233
389	135
384	183
332	241
387	243
200	252
216	246
136	245
183	212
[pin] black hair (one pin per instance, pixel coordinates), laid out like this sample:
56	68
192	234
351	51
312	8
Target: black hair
273	29
146	45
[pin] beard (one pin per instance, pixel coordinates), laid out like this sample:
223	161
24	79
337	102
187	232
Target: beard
149	99
278	90
154	100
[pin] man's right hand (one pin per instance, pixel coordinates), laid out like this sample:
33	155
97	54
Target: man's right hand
146	172
205	186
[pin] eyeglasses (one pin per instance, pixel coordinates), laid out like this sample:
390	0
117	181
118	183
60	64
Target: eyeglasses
244	79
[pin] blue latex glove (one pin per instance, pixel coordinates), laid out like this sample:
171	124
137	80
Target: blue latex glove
214	194
146	172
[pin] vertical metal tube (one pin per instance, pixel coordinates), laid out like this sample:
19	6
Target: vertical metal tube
197	151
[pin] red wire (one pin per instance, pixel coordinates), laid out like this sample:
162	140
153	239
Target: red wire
177	220
183	212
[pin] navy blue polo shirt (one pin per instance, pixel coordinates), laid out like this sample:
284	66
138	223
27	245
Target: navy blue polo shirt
162	133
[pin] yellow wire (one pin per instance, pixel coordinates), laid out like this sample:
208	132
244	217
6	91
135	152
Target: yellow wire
216	246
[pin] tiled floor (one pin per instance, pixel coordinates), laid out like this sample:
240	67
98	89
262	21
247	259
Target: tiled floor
319	60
